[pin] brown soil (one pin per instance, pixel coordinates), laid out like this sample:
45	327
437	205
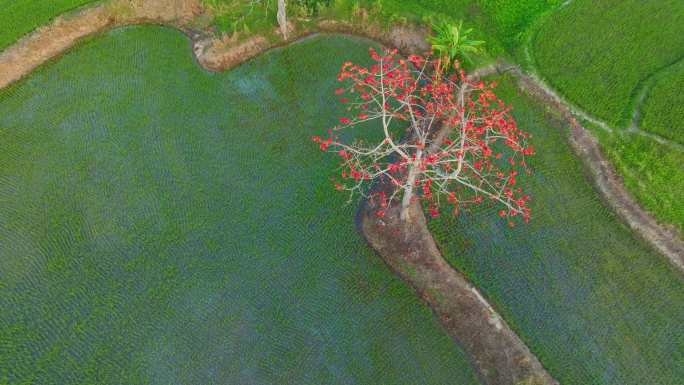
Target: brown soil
408	248
498	354
665	239
408	39
54	39
227	52
224	53
48	42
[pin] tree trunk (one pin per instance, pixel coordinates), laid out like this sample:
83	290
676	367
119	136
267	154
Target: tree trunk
282	18
408	194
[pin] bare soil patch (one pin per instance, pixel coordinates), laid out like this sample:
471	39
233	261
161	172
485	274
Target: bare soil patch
408	249
54	39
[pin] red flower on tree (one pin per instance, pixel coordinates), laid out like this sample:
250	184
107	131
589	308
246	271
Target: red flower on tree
447	139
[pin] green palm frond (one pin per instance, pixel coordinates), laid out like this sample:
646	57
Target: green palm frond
450	42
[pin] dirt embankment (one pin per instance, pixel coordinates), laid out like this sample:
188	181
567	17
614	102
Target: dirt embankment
54	39
215	54
225	53
665	239
498	354
408	248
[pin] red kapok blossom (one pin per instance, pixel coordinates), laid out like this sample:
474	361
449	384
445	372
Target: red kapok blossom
441	138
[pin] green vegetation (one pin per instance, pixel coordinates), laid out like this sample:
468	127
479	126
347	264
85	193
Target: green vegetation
651	171
597	53
171	231
511	19
19	17
500	23
163	224
600	55
244	17
662	112
450	42
595	304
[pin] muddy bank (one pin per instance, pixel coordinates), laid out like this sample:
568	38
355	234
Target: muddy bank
212	53
603	175
52	40
498	354
408	248
224	53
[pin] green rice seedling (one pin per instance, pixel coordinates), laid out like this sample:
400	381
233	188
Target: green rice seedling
164	224
19	17
595	303
597	53
662	111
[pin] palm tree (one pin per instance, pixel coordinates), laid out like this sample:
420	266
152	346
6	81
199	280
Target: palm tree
451	43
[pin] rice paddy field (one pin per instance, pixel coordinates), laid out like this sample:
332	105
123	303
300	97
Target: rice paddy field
662	112
654	172
595	304
651	171
19	17
603	56
597	53
162	224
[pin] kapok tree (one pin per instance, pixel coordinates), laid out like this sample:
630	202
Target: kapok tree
445	139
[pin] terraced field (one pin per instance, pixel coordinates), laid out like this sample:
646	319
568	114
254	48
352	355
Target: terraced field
595	304
19	17
603	57
597	53
162	224
662	112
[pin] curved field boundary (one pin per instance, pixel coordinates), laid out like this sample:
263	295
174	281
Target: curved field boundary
638	94
495	350
49	41
645	88
220	54
666	240
214	54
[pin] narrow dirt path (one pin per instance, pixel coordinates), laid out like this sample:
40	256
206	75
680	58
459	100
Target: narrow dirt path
498	354
641	89
51	40
666	240
408	248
